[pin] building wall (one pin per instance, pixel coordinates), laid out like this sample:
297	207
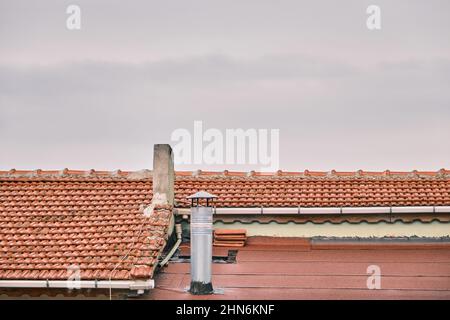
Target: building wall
364	229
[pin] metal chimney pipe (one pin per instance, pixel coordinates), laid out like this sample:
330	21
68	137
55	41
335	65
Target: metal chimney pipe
201	244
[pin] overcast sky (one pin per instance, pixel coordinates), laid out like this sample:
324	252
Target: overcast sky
344	97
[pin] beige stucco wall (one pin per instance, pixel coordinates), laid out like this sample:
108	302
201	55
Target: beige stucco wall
381	229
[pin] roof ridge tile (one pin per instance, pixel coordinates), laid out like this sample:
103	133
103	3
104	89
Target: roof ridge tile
147	174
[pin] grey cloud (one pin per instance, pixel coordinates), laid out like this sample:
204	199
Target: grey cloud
96	76
342	97
100	93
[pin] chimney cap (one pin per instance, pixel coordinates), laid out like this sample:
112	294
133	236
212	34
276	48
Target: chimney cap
202	195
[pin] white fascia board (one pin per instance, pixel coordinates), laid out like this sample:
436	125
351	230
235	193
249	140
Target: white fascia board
71	283
238	211
328	210
140	285
366	210
23	284
87	284
280	210
412	209
320	210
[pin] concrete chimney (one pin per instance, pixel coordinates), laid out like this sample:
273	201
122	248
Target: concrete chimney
163	174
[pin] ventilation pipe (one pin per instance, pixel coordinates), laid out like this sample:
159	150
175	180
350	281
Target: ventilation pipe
179	232
201	243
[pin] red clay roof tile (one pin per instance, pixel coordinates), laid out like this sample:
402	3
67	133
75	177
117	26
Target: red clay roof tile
49	225
52	219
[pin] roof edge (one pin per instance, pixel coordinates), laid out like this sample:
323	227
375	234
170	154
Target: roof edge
147	174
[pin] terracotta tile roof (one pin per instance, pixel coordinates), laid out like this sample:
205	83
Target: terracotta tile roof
52	219
229	237
46	226
319	189
282	189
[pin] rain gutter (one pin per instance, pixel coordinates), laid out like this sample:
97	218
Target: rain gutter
324	210
139	285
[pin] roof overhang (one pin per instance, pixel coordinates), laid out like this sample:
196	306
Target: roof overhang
322	210
82	284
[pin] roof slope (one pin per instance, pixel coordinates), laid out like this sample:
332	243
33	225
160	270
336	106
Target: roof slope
320	189
47	226
282	189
